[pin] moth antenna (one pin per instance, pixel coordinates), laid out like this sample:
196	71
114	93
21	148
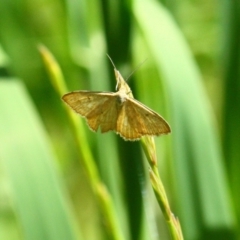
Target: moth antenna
136	69
111	61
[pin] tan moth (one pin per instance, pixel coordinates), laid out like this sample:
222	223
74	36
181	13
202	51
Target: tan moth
117	111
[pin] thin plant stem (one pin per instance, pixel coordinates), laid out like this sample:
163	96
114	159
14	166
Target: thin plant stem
149	148
84	150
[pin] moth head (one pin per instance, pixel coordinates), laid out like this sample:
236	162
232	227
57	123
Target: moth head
119	79
121	83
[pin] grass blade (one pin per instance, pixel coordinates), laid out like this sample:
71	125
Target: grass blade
197	158
28	161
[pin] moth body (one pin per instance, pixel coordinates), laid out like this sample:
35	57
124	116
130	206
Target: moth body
121	97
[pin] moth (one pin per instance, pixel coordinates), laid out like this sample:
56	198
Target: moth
117	111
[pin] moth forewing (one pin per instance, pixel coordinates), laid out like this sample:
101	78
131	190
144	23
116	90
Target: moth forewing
99	108
84	102
136	120
152	118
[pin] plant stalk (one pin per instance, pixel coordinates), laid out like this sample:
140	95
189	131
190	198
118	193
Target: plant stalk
149	148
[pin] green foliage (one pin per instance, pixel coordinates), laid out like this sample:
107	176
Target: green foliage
29	163
46	192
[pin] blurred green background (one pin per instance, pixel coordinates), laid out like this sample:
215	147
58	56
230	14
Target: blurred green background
191	77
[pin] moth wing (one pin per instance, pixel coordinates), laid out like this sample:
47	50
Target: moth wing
99	108
136	120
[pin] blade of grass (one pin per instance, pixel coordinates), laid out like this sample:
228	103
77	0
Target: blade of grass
4	60
91	42
196	153
99	188
28	161
231	104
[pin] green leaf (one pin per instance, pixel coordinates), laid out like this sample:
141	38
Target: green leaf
28	160
196	150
